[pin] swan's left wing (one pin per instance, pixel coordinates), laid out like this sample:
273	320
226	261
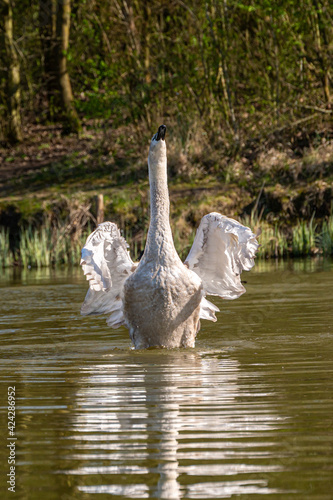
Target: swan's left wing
106	264
221	250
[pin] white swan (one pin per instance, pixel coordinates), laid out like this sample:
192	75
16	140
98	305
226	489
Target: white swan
161	299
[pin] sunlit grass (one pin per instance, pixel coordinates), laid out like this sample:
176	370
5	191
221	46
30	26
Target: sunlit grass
183	245
49	246
304	238
6	255
35	247
273	243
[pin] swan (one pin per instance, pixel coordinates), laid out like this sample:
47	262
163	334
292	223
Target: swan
161	299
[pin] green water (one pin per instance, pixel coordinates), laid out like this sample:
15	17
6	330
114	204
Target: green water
247	413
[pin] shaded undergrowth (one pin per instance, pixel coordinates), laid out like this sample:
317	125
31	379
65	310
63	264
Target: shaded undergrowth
48	191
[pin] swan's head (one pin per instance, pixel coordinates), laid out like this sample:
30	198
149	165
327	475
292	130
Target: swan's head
157	150
160	134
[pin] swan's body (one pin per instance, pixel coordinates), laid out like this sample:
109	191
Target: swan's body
161	299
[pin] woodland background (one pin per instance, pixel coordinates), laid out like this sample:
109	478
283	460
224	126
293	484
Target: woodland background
245	89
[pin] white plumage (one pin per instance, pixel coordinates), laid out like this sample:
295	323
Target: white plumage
106	263
160	299
221	250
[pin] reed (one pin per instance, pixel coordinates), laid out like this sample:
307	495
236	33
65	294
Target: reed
304	238
183	245
48	245
273	242
136	242
326	239
35	247
6	255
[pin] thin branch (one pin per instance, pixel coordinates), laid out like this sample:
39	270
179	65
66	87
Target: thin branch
314	108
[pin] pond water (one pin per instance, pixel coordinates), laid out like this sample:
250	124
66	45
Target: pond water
247	413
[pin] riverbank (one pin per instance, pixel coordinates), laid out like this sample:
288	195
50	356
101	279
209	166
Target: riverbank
281	184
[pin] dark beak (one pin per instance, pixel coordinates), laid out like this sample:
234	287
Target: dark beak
160	133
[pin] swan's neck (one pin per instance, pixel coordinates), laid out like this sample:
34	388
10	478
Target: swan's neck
159	245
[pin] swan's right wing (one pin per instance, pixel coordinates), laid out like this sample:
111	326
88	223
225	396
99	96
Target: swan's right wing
106	264
221	250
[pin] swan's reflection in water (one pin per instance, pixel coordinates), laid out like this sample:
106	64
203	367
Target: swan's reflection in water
168	486
172	424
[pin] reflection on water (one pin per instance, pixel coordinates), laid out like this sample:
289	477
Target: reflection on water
246	413
178	418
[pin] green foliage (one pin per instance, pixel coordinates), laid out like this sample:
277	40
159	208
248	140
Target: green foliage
224	74
239	67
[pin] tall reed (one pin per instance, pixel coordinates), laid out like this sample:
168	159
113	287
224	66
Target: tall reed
304	238
48	245
273	242
6	255
35	247
326	239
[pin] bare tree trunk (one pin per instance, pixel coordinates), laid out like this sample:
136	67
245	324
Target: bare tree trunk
14	131
219	41
322	50
47	33
277	69
63	25
146	41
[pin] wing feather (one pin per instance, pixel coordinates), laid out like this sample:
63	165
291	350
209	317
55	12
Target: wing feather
106	264
221	250
208	310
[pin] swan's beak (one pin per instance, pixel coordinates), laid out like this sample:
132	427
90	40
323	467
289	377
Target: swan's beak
160	133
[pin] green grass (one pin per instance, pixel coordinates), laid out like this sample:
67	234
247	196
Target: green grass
304	238
326	238
49	246
35	247
273	242
6	255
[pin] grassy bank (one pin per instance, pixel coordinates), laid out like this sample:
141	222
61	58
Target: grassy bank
48	246
245	91
281	183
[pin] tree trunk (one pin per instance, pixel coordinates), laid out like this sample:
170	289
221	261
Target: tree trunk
220	41
14	131
322	49
146	41
54	26
71	119
47	33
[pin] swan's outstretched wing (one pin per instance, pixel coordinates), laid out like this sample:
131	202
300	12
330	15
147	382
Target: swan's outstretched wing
221	250
106	264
